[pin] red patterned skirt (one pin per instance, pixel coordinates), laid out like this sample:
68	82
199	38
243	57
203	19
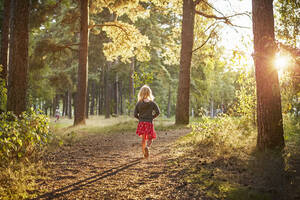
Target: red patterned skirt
146	128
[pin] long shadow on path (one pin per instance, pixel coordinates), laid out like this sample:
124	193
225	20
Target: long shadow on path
78	185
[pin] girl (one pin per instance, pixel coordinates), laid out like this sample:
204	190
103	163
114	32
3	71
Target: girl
145	111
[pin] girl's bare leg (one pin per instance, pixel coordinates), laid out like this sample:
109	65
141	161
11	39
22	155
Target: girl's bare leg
143	143
149	142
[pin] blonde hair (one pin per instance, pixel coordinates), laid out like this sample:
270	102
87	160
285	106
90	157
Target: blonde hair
145	93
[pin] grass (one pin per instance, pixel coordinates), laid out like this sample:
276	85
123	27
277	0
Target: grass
100	125
66	133
220	160
19	178
218	157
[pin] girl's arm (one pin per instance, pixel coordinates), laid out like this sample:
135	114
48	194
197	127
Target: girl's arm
156	110
136	111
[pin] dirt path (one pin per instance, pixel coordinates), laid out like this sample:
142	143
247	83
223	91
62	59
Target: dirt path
112	167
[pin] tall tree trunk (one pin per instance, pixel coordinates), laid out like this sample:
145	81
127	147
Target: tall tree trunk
101	91
80	112
5	38
93	96
96	98
169	103
67	103
100	101
106	91
269	115
55	104
121	97
211	108
18	58
131	83
87	101
116	95
64	105
51	110
46	110
187	40
70	104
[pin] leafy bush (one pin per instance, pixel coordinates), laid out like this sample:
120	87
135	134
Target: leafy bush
246	95
222	131
291	125
18	180
21	137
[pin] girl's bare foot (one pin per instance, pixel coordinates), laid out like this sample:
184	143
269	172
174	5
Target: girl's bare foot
146	154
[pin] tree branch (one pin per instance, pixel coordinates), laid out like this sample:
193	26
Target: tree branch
69	46
209	5
115	25
292	50
225	18
197	2
210	35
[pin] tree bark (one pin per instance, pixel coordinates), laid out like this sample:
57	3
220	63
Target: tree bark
93	96
121	97
269	115
65	104
187	40
18	58
54	104
100	101
87	101
5	38
46	110
131	84
116	95
70	104
169	103
106	92
212	108
80	112
101	92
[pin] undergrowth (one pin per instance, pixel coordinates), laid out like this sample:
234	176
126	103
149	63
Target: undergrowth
18	179
22	139
220	159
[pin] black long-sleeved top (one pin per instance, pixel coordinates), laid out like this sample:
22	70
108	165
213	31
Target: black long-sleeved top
146	111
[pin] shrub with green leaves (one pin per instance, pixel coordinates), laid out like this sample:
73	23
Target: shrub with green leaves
21	136
224	131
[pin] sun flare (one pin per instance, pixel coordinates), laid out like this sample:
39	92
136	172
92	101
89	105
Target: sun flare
281	61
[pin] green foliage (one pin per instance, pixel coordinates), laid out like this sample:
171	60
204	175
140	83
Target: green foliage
288	21
219	151
142	78
246	95
288	94
223	130
18	180
21	137
291	125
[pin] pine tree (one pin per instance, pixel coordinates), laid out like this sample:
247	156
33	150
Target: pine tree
269	115
80	113
187	41
18	57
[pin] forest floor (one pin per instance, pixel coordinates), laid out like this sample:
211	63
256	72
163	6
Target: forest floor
111	166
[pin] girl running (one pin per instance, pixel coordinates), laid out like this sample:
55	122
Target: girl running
145	111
